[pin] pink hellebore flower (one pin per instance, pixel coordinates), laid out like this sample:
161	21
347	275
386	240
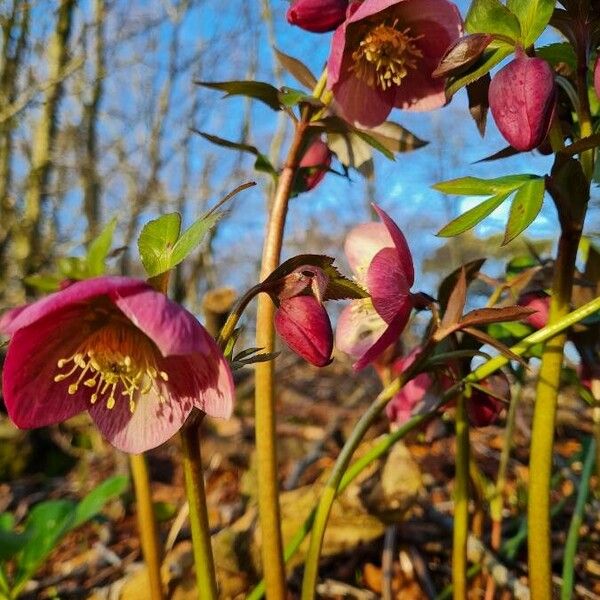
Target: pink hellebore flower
484	409
540	302
522	96
114	346
317	16
313	165
379	256
597	76
383	56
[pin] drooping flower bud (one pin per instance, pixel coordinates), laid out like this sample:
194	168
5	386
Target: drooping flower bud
318	16
302	322
540	302
522	97
597	76
484	409
313	166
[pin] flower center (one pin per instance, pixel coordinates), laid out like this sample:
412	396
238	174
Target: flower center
116	360
385	55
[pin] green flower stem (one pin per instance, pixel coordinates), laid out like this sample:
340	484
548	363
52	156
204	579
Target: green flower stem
233	319
147	523
194	491
461	502
576	520
544	418
266	447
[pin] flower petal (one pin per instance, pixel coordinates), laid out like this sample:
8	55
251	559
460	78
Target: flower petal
362	243
387	285
358	328
390	336
401	244
32	397
76	294
401	406
170	326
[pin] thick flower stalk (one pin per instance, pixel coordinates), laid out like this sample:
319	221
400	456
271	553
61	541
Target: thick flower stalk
383	56
381	260
136	361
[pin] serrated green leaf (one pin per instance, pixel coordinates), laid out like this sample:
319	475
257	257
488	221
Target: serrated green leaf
473	216
495	53
46	524
191	237
491	16
533	16
93	502
474	186
99	248
156	242
525	207
555	54
258	90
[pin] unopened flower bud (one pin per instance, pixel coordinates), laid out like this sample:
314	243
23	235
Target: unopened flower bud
597	76
484	409
313	166
540	302
317	16
522	97
302	322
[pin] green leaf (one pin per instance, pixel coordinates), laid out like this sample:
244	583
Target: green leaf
555	54
533	16
99	248
291	97
156	243
297	69
396	138
46	524
258	90
192	236
374	143
525	207
93	503
473	216
495	53
163	511
473	186
11	543
491	16
72	267
44	283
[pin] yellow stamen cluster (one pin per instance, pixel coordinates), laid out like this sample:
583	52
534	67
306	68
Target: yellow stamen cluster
115	360
385	55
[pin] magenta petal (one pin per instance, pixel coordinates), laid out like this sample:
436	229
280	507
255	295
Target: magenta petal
401	406
362	243
361	103
401	244
170	326
358	328
32	397
372	7
76	294
387	284
152	423
390	336
304	325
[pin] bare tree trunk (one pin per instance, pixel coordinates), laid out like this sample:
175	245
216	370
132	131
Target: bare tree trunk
28	240
91	181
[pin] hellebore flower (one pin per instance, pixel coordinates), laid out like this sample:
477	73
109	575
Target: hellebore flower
597	76
318	16
303	323
383	55
313	166
381	260
135	360
540	302
484	409
522	97
301	319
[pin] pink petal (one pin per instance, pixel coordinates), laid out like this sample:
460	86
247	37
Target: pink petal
170	326
360	103
390	336
32	397
401	244
371	7
387	285
336	55
401	406
358	328
76	294
362	243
